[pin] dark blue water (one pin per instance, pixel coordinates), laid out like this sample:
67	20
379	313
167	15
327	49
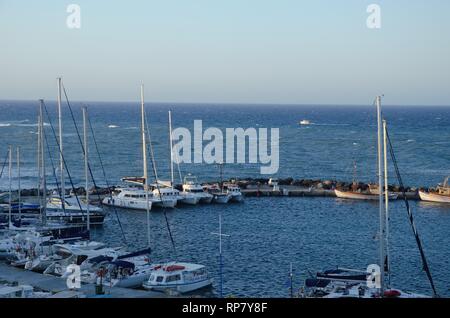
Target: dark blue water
267	234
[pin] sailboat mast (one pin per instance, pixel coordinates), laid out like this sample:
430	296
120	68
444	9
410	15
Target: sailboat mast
42	161
10	185
61	159
144	156
86	168
386	202
380	182
171	148
39	157
18	184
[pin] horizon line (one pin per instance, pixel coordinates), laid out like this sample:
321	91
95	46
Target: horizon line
226	103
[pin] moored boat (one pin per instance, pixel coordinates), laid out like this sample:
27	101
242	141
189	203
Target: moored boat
440	195
179	277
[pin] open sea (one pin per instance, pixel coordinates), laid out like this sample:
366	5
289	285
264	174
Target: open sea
266	234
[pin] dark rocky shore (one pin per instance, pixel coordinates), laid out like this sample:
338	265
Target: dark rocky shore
261	187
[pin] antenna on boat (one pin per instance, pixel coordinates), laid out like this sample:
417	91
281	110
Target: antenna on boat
86	168
380	195
220	234
18	185
144	156
10	185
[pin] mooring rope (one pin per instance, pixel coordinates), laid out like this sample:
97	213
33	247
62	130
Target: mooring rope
426	268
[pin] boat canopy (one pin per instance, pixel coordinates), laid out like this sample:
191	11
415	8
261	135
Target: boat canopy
123	264
137	253
313	282
100	259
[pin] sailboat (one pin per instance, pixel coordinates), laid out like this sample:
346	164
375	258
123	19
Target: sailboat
440	195
220	195
147	195
351	283
184	197
60	205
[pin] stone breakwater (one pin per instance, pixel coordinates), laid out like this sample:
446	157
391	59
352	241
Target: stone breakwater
262	187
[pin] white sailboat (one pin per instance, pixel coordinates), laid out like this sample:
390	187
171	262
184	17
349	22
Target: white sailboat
440	195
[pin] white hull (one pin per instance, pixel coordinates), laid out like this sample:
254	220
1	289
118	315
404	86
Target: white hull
189	199
432	197
206	199
361	196
222	199
237	198
127	204
166	203
180	288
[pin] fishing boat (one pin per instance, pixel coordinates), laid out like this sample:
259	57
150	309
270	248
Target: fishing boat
351	283
179	277
234	191
191	185
355	195
440	195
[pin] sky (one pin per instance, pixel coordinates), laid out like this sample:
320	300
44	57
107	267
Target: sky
228	51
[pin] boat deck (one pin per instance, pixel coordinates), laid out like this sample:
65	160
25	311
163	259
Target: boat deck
55	284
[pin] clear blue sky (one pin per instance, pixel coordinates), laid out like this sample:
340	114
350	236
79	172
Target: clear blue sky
278	51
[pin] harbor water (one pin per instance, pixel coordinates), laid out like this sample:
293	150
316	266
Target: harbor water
266	234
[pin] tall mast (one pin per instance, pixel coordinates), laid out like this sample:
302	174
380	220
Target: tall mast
380	182
386	202
171	149
86	170
144	156
42	161
61	159
10	185
18	184
39	157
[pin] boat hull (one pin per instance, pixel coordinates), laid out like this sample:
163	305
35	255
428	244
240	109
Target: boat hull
432	197
222	199
361	196
180	288
132	205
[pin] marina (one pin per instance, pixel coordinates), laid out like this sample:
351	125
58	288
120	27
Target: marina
289	194
224	157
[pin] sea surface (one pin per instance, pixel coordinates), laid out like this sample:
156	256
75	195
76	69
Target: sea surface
266	234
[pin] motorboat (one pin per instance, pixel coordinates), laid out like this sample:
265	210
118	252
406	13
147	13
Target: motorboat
178	277
305	122
235	191
191	185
